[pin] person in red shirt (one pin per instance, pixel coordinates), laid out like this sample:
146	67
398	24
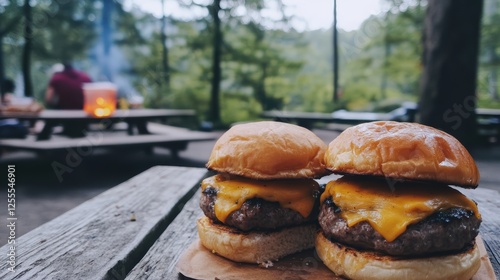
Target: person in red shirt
65	89
65	92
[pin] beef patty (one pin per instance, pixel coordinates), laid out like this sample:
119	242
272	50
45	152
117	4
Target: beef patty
445	231
255	213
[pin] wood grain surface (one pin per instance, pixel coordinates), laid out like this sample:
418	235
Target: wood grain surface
488	202
105	237
139	230
161	259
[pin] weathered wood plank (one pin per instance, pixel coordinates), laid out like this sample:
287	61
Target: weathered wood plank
118	115
99	141
488	202
105	237
161	259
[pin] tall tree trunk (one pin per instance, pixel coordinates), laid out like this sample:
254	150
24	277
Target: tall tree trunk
8	27
492	81
165	62
335	55
2	64
450	58
106	35
216	64
26	60
385	67
387	53
492	55
261	88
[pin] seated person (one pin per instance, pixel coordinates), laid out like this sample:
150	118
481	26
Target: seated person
7	87
65	92
10	128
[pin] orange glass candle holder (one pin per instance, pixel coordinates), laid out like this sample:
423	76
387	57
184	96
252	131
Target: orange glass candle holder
99	99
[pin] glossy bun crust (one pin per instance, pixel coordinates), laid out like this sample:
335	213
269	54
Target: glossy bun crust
365	265
269	150
399	150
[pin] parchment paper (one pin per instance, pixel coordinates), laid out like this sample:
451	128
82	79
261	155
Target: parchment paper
199	263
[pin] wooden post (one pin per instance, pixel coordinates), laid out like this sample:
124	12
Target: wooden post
28	43
165	62
216	64
335	55
106	36
450	58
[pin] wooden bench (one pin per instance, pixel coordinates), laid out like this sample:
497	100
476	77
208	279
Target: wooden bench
174	138
140	228
308	119
136	119
489	123
488	119
105	237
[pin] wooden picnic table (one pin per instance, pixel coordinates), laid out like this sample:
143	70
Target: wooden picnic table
349	117
135	118
489	122
140	228
307	119
488	119
80	114
175	139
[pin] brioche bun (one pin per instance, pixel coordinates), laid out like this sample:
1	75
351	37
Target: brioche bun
407	151
364	265
269	150
256	246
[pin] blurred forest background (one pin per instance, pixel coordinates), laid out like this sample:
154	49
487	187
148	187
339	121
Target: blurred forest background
264	62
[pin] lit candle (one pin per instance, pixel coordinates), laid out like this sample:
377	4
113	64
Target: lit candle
100	99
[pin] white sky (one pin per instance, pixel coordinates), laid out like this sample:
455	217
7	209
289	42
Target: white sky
315	14
319	13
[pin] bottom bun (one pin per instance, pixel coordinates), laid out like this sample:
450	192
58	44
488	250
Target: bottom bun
354	264
255	247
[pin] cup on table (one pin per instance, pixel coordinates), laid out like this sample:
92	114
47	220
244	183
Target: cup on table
99	98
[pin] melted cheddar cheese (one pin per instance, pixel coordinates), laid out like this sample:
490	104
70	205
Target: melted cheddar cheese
232	192
389	210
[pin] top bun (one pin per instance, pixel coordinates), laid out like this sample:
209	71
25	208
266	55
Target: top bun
398	150
269	150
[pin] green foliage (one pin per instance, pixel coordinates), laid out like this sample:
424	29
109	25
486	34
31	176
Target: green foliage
489	55
10	34
389	61
239	108
378	62
265	64
62	31
259	64
256	71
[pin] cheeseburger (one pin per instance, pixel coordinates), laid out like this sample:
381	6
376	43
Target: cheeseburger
392	215
262	205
